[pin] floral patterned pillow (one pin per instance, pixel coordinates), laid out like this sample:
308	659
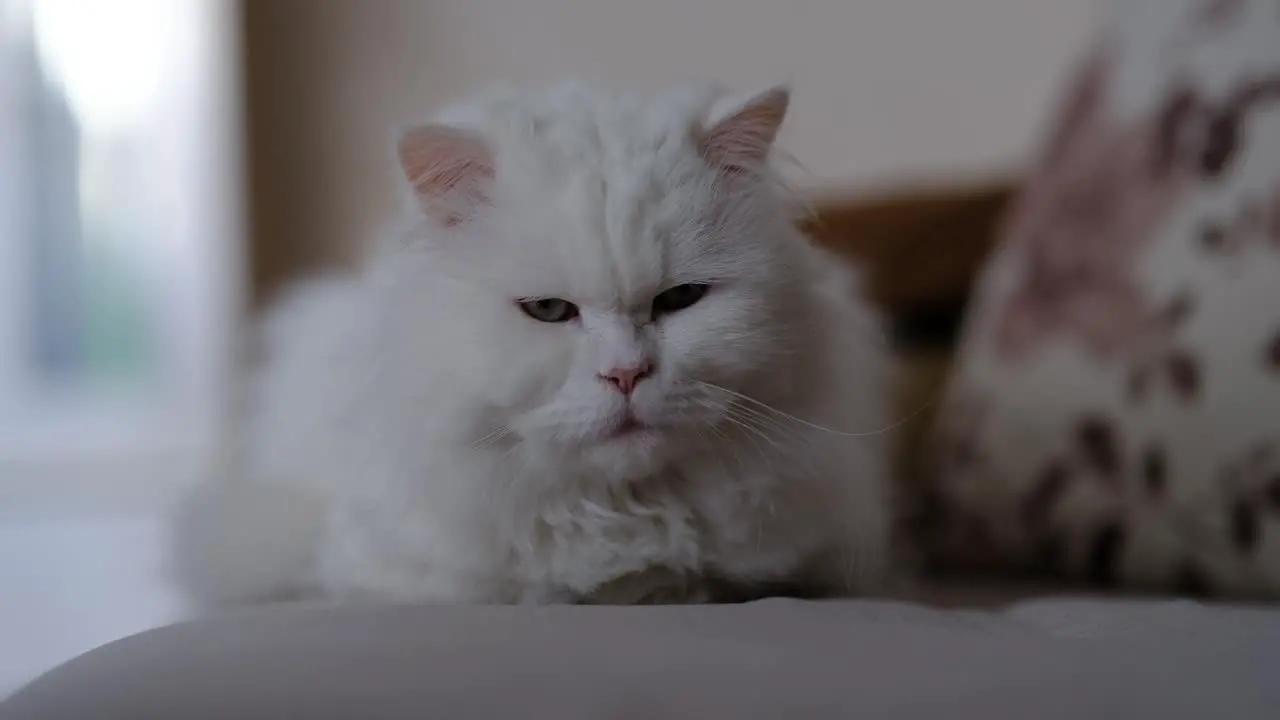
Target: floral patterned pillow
1115	412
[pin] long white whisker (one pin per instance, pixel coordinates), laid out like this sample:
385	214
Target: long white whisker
492	437
754	425
815	426
726	442
768	422
792	444
797	438
767	428
697	427
748	433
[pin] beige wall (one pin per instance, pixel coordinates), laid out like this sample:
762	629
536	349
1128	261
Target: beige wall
886	90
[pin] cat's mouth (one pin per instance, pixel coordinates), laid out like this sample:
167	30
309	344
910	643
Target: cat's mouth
629	427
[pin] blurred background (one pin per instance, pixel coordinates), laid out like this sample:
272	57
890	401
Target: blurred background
165	165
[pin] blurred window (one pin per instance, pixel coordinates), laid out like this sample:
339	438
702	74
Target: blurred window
117	224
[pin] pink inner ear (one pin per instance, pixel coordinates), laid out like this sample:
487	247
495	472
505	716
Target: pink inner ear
449	169
741	142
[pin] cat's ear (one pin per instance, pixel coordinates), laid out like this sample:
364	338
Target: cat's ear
741	141
450	170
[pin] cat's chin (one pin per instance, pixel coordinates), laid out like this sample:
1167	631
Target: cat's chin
629	452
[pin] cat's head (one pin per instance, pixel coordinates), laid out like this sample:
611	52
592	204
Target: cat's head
616	267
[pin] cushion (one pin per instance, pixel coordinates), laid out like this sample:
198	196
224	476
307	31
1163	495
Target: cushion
770	659
1115	412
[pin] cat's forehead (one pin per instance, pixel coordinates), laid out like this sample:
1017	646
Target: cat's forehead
606	205
604	235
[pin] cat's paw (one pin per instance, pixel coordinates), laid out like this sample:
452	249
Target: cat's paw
654	586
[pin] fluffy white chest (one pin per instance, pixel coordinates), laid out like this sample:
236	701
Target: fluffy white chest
553	545
562	544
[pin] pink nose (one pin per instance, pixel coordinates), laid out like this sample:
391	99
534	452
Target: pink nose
625	379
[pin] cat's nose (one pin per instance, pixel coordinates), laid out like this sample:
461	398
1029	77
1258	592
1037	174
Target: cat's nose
625	379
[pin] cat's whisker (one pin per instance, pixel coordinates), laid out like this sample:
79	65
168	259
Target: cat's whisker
499	491
798	437
762	426
749	433
492	437
725	442
697	425
780	414
749	425
767	422
718	432
789	443
787	438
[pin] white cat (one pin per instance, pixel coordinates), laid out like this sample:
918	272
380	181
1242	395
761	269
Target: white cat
600	365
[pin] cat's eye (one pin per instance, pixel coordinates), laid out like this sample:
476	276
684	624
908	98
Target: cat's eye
678	298
549	310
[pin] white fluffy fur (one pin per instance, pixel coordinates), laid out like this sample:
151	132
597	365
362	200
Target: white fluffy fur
414	436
